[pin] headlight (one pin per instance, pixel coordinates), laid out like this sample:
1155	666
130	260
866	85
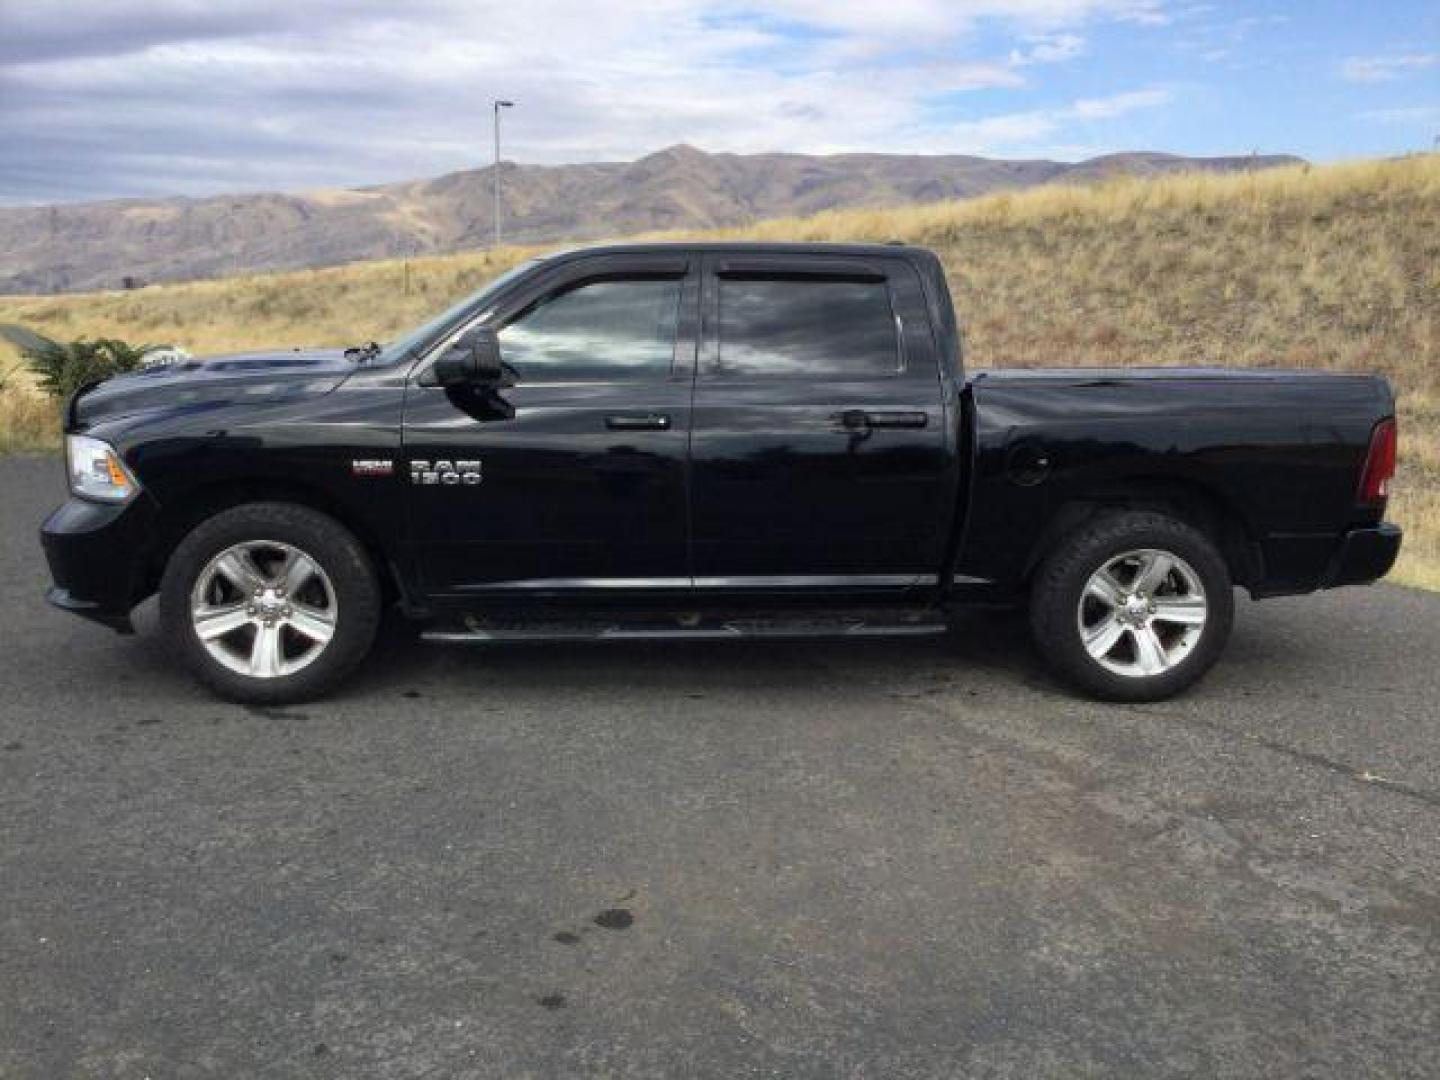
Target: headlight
96	471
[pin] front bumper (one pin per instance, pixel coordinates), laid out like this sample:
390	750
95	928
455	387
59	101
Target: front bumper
98	556
119	621
1364	555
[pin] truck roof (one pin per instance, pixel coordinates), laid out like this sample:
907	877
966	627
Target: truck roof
754	247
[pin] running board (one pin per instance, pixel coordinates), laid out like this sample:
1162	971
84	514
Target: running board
692	627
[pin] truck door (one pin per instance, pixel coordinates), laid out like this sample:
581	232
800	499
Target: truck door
819	454
573	479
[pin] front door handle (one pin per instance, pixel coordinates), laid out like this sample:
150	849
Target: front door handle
861	419
637	422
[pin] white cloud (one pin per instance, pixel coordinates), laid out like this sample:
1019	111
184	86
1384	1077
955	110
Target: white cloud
1373	69
1417	115
152	96
1119	104
1050	49
1033	132
902	19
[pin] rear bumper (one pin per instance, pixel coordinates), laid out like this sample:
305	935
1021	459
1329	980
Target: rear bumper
1363	555
97	558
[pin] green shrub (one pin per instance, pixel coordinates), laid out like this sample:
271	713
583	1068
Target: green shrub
63	367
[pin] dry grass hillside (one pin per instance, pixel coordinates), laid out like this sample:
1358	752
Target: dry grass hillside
1334	267
46	249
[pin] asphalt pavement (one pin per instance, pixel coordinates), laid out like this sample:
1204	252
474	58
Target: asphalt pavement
871	859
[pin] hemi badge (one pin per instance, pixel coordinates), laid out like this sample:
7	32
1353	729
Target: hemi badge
372	467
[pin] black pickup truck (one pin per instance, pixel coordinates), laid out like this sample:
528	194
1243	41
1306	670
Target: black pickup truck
708	441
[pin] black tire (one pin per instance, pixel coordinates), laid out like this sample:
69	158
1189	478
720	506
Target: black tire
1060	586
351	576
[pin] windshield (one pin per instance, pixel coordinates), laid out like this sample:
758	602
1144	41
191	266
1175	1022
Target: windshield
419	337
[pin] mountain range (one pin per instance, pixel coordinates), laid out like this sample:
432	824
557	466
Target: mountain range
124	242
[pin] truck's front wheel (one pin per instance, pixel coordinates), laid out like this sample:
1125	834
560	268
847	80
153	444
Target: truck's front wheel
270	602
1133	606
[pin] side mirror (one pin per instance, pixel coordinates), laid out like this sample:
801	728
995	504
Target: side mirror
473	360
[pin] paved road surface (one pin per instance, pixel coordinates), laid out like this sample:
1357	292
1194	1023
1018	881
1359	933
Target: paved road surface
879	859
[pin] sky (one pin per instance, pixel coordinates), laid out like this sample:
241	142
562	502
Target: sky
109	98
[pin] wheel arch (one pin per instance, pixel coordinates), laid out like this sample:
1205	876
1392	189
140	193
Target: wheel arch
203	502
1193	502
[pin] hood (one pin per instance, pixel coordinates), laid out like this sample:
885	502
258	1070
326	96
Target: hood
250	378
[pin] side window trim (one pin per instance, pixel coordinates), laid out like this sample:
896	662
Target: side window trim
571	275
800	268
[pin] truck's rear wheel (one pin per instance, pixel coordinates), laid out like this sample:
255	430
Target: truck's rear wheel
270	602
1133	606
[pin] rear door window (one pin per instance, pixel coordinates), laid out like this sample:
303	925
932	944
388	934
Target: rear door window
807	328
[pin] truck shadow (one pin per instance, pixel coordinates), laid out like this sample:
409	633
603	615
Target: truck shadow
987	651
983	647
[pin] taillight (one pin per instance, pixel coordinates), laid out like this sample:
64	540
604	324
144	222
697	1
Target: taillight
1379	464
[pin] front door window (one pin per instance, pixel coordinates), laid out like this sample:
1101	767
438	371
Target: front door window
601	331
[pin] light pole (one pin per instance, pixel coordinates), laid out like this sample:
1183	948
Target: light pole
498	105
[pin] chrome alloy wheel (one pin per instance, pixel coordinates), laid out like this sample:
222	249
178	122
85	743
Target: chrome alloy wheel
264	609
1142	613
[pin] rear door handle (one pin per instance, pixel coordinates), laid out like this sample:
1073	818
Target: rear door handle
860	419
637	422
